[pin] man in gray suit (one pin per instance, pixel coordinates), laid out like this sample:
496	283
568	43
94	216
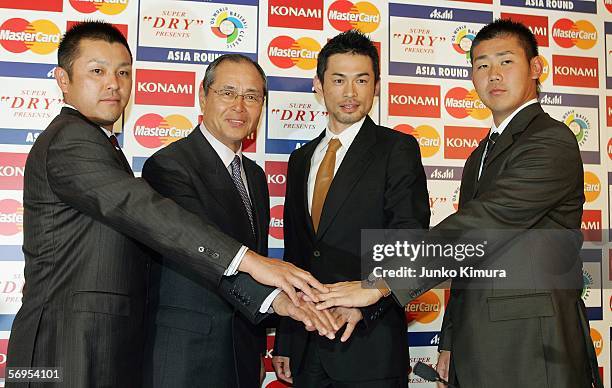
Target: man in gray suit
88	221
526	175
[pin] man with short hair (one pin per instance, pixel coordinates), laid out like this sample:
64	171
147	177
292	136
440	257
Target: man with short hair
88	221
526	175
196	337
355	175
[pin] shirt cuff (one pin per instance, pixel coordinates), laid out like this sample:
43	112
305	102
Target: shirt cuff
266	306
232	269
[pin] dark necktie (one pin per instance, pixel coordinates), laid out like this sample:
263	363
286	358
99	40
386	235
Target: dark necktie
490	144
237	178
114	141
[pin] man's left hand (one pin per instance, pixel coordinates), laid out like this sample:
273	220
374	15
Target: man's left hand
348	316
348	294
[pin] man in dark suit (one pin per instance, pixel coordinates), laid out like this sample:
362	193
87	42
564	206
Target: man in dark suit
355	175
196	338
86	219
526	176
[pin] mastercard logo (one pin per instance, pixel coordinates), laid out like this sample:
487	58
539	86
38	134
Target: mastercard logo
154	131
427	137
285	52
276	222
11	217
461	103
592	186
545	69
107	7
344	15
19	35
568	34
424	309
597	341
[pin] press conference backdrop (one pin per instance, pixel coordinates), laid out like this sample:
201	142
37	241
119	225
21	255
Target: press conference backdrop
426	91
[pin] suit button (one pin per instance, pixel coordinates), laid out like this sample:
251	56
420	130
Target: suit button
215	255
316	254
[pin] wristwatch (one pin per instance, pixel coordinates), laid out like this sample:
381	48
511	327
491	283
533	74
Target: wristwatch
378	283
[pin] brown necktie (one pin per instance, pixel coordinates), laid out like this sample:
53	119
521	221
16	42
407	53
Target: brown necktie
325	174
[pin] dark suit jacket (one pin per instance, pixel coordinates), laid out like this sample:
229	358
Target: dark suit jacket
380	184
196	338
85	217
530	337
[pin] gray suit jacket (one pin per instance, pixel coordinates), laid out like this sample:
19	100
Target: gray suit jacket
87	221
196	338
533	336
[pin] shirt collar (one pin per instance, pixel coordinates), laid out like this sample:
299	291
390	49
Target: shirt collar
346	137
106	131
505	123
224	152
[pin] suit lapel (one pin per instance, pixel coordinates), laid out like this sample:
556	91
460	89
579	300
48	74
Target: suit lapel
469	181
515	128
218	182
352	168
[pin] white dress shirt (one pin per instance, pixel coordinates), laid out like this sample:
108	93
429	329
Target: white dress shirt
346	138
502	126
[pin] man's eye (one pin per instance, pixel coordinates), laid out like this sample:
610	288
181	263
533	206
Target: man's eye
250	97
227	93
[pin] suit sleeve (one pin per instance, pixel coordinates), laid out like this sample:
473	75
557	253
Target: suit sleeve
169	178
539	174
406	203
86	174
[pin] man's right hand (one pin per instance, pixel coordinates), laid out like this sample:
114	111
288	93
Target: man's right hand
443	366
281	274
306	312
281	368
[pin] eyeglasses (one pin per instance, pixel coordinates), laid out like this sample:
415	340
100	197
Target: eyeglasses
229	95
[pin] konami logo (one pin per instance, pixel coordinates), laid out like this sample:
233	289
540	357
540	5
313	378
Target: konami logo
568	34
107	7
276	174
537	24
424	309
344	15
575	71
12	169
285	52
459	142
276	222
427	137
414	100
40	36
164	87
153	131
591	225
305	14
11	217
461	103
592	186
123	28
34	5
609	111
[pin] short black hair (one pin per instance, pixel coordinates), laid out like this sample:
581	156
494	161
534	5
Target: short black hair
68	49
209	75
507	27
351	42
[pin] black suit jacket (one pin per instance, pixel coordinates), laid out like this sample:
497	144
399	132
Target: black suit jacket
380	184
196	338
85	217
528	337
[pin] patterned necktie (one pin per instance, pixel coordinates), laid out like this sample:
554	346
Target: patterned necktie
490	144
237	178
114	141
325	175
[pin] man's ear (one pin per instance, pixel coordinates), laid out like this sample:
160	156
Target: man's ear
62	78
202	96
536	66
318	85
377	89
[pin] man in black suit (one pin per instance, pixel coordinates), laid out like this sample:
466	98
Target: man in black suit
355	175
86	219
196	338
526	175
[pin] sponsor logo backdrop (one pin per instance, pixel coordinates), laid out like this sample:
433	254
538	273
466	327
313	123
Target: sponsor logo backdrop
425	91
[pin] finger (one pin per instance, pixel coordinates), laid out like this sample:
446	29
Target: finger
290	291
300	315
333	302
331	319
303	286
312	281
350	326
286	369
